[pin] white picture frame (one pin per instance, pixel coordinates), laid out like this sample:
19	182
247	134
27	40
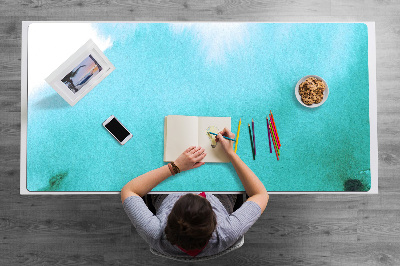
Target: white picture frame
80	73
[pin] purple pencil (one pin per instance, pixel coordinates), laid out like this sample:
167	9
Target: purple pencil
254	136
269	137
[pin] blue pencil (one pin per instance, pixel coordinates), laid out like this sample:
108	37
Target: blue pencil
222	136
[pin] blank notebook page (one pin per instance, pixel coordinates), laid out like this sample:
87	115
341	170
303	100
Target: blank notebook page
181	133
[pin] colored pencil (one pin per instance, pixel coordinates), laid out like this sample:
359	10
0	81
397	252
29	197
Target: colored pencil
273	128
222	136
269	137
254	137
237	135
275	142
276	152
276	132
251	141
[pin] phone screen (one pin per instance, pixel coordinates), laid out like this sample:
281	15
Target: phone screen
117	129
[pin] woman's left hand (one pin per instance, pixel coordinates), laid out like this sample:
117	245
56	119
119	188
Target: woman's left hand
190	158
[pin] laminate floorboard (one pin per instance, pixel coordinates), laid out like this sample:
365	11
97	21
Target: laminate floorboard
294	229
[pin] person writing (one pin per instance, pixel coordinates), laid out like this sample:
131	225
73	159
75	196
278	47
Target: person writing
188	224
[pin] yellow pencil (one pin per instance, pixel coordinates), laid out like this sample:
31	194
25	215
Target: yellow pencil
273	142
274	139
237	135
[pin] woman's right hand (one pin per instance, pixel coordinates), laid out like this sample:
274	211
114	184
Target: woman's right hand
227	145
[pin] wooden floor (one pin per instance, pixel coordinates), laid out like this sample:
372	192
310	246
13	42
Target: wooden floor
294	230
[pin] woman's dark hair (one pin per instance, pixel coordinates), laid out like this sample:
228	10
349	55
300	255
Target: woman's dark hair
191	222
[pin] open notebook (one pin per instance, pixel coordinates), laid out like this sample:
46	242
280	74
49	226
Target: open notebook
181	132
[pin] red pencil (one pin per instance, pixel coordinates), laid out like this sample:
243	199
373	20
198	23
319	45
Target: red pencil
273	141
276	136
274	126
276	132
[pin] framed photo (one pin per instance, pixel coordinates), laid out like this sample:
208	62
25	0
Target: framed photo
86	68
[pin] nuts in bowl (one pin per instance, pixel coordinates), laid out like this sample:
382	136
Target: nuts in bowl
311	91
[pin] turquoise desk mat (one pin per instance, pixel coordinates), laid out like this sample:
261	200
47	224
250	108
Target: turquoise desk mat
241	70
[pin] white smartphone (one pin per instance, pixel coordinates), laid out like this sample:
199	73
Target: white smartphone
119	132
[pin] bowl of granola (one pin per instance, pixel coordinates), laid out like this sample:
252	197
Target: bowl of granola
311	91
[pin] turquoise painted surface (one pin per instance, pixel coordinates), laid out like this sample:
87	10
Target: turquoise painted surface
164	69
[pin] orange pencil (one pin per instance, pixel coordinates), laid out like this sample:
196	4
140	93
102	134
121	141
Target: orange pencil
273	141
276	132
